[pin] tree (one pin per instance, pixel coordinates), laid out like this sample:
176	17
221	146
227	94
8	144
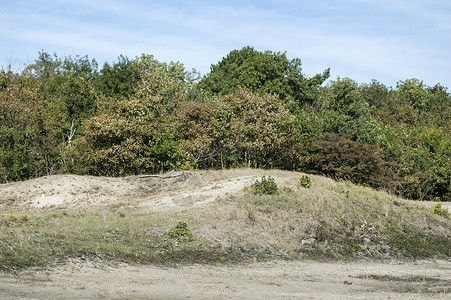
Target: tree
21	153
135	134
345	111
239	129
119	79
175	70
414	91
262	72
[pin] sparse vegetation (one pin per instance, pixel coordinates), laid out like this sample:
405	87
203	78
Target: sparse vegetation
414	283
330	220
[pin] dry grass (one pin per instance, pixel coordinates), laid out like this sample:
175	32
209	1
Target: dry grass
330	220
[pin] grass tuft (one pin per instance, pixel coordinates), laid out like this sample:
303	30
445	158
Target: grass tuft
330	220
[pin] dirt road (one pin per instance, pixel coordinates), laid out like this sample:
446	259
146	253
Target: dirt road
79	279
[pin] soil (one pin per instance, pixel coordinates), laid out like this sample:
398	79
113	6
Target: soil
99	279
82	279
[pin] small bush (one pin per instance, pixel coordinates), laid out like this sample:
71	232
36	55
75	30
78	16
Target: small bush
439	210
181	233
305	182
266	186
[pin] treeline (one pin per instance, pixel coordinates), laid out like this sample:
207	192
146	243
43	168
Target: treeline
256	109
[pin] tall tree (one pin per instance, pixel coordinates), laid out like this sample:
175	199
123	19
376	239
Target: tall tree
262	72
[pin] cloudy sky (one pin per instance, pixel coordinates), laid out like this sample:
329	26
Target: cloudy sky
386	40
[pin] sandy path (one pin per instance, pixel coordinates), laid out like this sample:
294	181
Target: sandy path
273	280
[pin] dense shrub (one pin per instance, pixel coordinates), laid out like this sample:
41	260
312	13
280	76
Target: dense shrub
181	233
135	135
345	111
241	129
341	158
265	186
305	181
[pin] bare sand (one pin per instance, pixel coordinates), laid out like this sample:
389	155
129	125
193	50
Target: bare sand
81	279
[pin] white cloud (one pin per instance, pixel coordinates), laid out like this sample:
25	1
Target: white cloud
384	40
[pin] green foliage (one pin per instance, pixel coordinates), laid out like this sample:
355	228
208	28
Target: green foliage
254	109
375	94
22	138
261	72
344	111
414	91
119	79
15	161
265	186
181	233
174	70
418	141
305	181
49	72
165	153
441	211
122	78
78	99
239	129
19	262
126	138
257	131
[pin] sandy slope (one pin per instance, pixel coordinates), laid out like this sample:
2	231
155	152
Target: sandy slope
82	279
178	189
152	192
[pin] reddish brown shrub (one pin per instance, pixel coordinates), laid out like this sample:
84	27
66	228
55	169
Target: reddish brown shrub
338	157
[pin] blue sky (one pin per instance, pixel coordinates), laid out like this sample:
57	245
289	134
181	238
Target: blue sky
386	40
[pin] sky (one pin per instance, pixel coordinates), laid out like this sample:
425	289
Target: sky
385	40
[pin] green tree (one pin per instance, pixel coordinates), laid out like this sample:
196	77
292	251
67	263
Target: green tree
175	70
21	153
239	129
415	127
414	91
262	72
134	135
119	79
345	111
